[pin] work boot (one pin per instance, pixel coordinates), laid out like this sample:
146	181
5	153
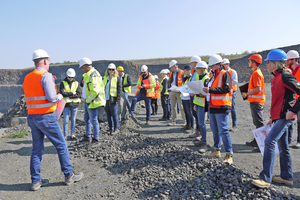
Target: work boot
109	132
253	143
278	179
214	154
36	186
196	134
95	143
73	178
162	119
87	139
115	132
261	183
233	129
199	143
172	123
228	158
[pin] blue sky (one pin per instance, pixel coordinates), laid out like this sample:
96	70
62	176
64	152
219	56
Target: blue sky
122	30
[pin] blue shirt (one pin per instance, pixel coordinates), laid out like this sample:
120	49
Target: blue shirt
107	89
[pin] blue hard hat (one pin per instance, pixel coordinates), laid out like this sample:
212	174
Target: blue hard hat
276	54
188	67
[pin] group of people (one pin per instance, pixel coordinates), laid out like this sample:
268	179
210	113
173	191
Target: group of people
217	100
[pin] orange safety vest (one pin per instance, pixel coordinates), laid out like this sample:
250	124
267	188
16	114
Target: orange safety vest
297	75
259	97
156	92
233	87
179	78
220	99
147	83
35	96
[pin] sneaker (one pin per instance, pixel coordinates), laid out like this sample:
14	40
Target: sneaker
66	137
73	137
87	139
214	154
233	129
256	149
172	123
196	134
115	132
253	143
36	186
297	146
198	138
199	143
73	178
162	119
261	183
228	158
95	143
109	132
278	179
147	122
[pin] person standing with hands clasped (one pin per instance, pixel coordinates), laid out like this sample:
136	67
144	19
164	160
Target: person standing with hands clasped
113	89
41	101
71	93
283	111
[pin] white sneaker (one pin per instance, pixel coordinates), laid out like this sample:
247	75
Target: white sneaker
297	146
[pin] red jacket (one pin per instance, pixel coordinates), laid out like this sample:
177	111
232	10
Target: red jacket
283	88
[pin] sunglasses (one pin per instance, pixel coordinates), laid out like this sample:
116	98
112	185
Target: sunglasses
111	69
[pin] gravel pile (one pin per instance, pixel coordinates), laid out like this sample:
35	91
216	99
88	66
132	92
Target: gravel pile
155	169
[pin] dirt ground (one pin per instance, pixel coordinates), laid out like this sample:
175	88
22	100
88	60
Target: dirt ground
99	183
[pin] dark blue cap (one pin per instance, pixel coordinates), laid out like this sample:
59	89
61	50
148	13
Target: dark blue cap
188	67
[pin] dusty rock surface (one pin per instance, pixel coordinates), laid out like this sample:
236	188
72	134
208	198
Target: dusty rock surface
145	162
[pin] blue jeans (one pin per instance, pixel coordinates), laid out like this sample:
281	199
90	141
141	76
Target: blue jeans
126	104
219	127
66	113
42	125
91	117
233	111
187	108
201	121
112	115
278	133
138	98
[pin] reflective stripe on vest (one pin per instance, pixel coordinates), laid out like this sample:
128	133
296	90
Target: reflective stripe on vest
35	96
161	86
220	99
125	81
200	101
74	86
150	90
156	92
259	97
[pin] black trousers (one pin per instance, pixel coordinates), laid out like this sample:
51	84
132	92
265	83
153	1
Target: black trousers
194	113
165	103
154	106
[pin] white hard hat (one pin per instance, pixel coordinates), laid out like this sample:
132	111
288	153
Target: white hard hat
202	64
40	53
225	61
214	59
144	68
172	63
111	66
71	72
292	54
195	59
163	71
167	70
155	77
84	61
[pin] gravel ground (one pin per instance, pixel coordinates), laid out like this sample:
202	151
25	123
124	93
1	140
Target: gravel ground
144	162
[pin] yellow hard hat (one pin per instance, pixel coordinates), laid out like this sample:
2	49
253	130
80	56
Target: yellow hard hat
120	68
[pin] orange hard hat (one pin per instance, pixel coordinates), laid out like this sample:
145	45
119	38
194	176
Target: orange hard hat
256	57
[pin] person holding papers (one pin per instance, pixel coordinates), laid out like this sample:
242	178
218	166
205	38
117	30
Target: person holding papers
187	107
164	96
283	111
199	102
219	108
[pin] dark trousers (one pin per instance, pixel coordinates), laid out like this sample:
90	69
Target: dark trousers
257	114
188	107
194	113
154	106
165	103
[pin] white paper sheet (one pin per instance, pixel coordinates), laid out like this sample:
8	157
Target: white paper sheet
174	88
60	107
260	135
185	90
196	87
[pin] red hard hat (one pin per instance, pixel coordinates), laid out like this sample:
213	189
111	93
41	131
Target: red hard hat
256	57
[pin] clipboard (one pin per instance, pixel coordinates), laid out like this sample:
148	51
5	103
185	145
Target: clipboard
244	88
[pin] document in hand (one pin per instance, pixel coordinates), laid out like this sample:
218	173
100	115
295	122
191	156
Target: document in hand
60	107
244	88
185	90
174	88
260	135
196	87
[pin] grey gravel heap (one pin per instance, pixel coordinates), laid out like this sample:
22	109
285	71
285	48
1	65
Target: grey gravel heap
155	169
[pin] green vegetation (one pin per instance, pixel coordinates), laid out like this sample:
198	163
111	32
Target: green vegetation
64	63
18	135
